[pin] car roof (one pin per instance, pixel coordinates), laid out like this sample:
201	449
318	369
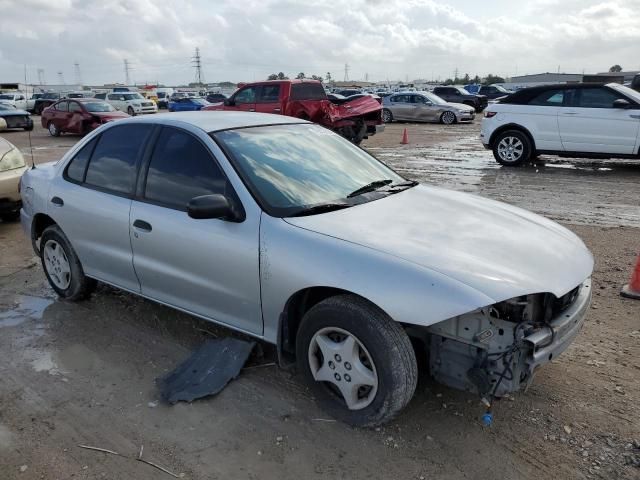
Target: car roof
212	121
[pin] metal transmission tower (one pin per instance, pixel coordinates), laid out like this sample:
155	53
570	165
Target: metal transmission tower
346	72
76	71
127	69
197	64
41	79
61	78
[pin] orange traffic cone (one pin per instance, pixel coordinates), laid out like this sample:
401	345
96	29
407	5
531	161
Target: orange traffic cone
405	137
632	289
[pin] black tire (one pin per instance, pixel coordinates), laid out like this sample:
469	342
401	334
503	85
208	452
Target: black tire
29	128
448	118
387	116
388	345
522	151
80	286
131	112
10	217
53	130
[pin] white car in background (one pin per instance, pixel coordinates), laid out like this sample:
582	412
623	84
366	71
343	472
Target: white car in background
578	120
131	102
17	99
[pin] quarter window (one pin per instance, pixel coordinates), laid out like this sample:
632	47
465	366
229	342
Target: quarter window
113	163
180	169
597	98
78	165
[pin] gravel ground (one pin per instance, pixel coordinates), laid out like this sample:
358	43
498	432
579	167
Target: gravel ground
84	373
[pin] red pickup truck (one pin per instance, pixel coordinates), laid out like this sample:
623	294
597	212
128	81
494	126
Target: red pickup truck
306	99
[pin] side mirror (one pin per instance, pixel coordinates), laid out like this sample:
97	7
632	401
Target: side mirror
213	206
229	102
621	103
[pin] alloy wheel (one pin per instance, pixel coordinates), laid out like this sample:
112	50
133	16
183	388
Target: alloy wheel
338	359
386	116
57	264
510	149
53	130
448	118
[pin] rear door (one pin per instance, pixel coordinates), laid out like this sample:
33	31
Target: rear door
540	117
401	107
209	267
592	124
269	99
245	99
92	199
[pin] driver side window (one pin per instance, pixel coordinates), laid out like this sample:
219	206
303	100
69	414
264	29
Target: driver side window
247	95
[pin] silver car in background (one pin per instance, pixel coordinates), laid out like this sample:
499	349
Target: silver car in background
424	107
283	230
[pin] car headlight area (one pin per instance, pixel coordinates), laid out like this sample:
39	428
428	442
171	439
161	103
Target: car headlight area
496	350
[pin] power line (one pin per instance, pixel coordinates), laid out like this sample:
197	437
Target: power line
197	64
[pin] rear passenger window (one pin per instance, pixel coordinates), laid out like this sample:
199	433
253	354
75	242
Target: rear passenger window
181	168
308	91
270	93
113	163
78	165
550	98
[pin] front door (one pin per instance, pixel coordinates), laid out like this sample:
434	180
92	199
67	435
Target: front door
209	267
244	99
593	125
269	99
92	200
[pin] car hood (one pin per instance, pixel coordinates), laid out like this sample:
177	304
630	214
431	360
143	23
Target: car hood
495	248
108	115
460	106
10	113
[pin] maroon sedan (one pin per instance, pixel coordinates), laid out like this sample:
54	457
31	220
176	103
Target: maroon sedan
79	115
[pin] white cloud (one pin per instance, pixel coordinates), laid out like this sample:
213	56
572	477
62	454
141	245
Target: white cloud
250	39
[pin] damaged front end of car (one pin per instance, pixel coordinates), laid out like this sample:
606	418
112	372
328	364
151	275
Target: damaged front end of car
496	350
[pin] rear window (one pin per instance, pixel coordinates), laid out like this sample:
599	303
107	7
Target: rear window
550	98
307	91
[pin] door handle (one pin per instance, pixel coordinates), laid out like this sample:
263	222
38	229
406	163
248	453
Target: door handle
569	113
57	201
633	115
252	109
277	110
142	225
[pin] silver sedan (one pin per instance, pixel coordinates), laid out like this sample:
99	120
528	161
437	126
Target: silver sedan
424	107
285	231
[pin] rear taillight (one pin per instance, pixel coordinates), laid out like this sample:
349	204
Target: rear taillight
490	114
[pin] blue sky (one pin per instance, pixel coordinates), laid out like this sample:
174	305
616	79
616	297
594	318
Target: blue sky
244	41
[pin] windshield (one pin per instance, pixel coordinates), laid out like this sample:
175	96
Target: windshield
462	90
53	96
435	99
99	107
133	96
501	89
288	167
6	96
629	92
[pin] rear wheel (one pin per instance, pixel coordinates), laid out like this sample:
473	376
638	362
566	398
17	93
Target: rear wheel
53	130
512	148
62	266
359	363
387	116
448	117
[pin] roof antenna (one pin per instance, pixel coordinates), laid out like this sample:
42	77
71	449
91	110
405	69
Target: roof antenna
33	162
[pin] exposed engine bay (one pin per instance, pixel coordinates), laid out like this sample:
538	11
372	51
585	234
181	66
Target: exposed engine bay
496	350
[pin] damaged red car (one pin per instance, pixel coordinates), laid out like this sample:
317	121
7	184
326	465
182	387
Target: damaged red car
80	115
306	99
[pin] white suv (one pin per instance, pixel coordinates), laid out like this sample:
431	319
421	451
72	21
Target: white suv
577	120
131	102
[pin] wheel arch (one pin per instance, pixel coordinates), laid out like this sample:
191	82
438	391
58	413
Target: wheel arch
38	225
512	126
294	310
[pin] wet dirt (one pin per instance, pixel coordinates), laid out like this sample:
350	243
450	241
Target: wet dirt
84	373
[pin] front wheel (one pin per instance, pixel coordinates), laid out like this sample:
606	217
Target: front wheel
512	148
448	118
130	111
62	266
53	130
359	363
387	116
